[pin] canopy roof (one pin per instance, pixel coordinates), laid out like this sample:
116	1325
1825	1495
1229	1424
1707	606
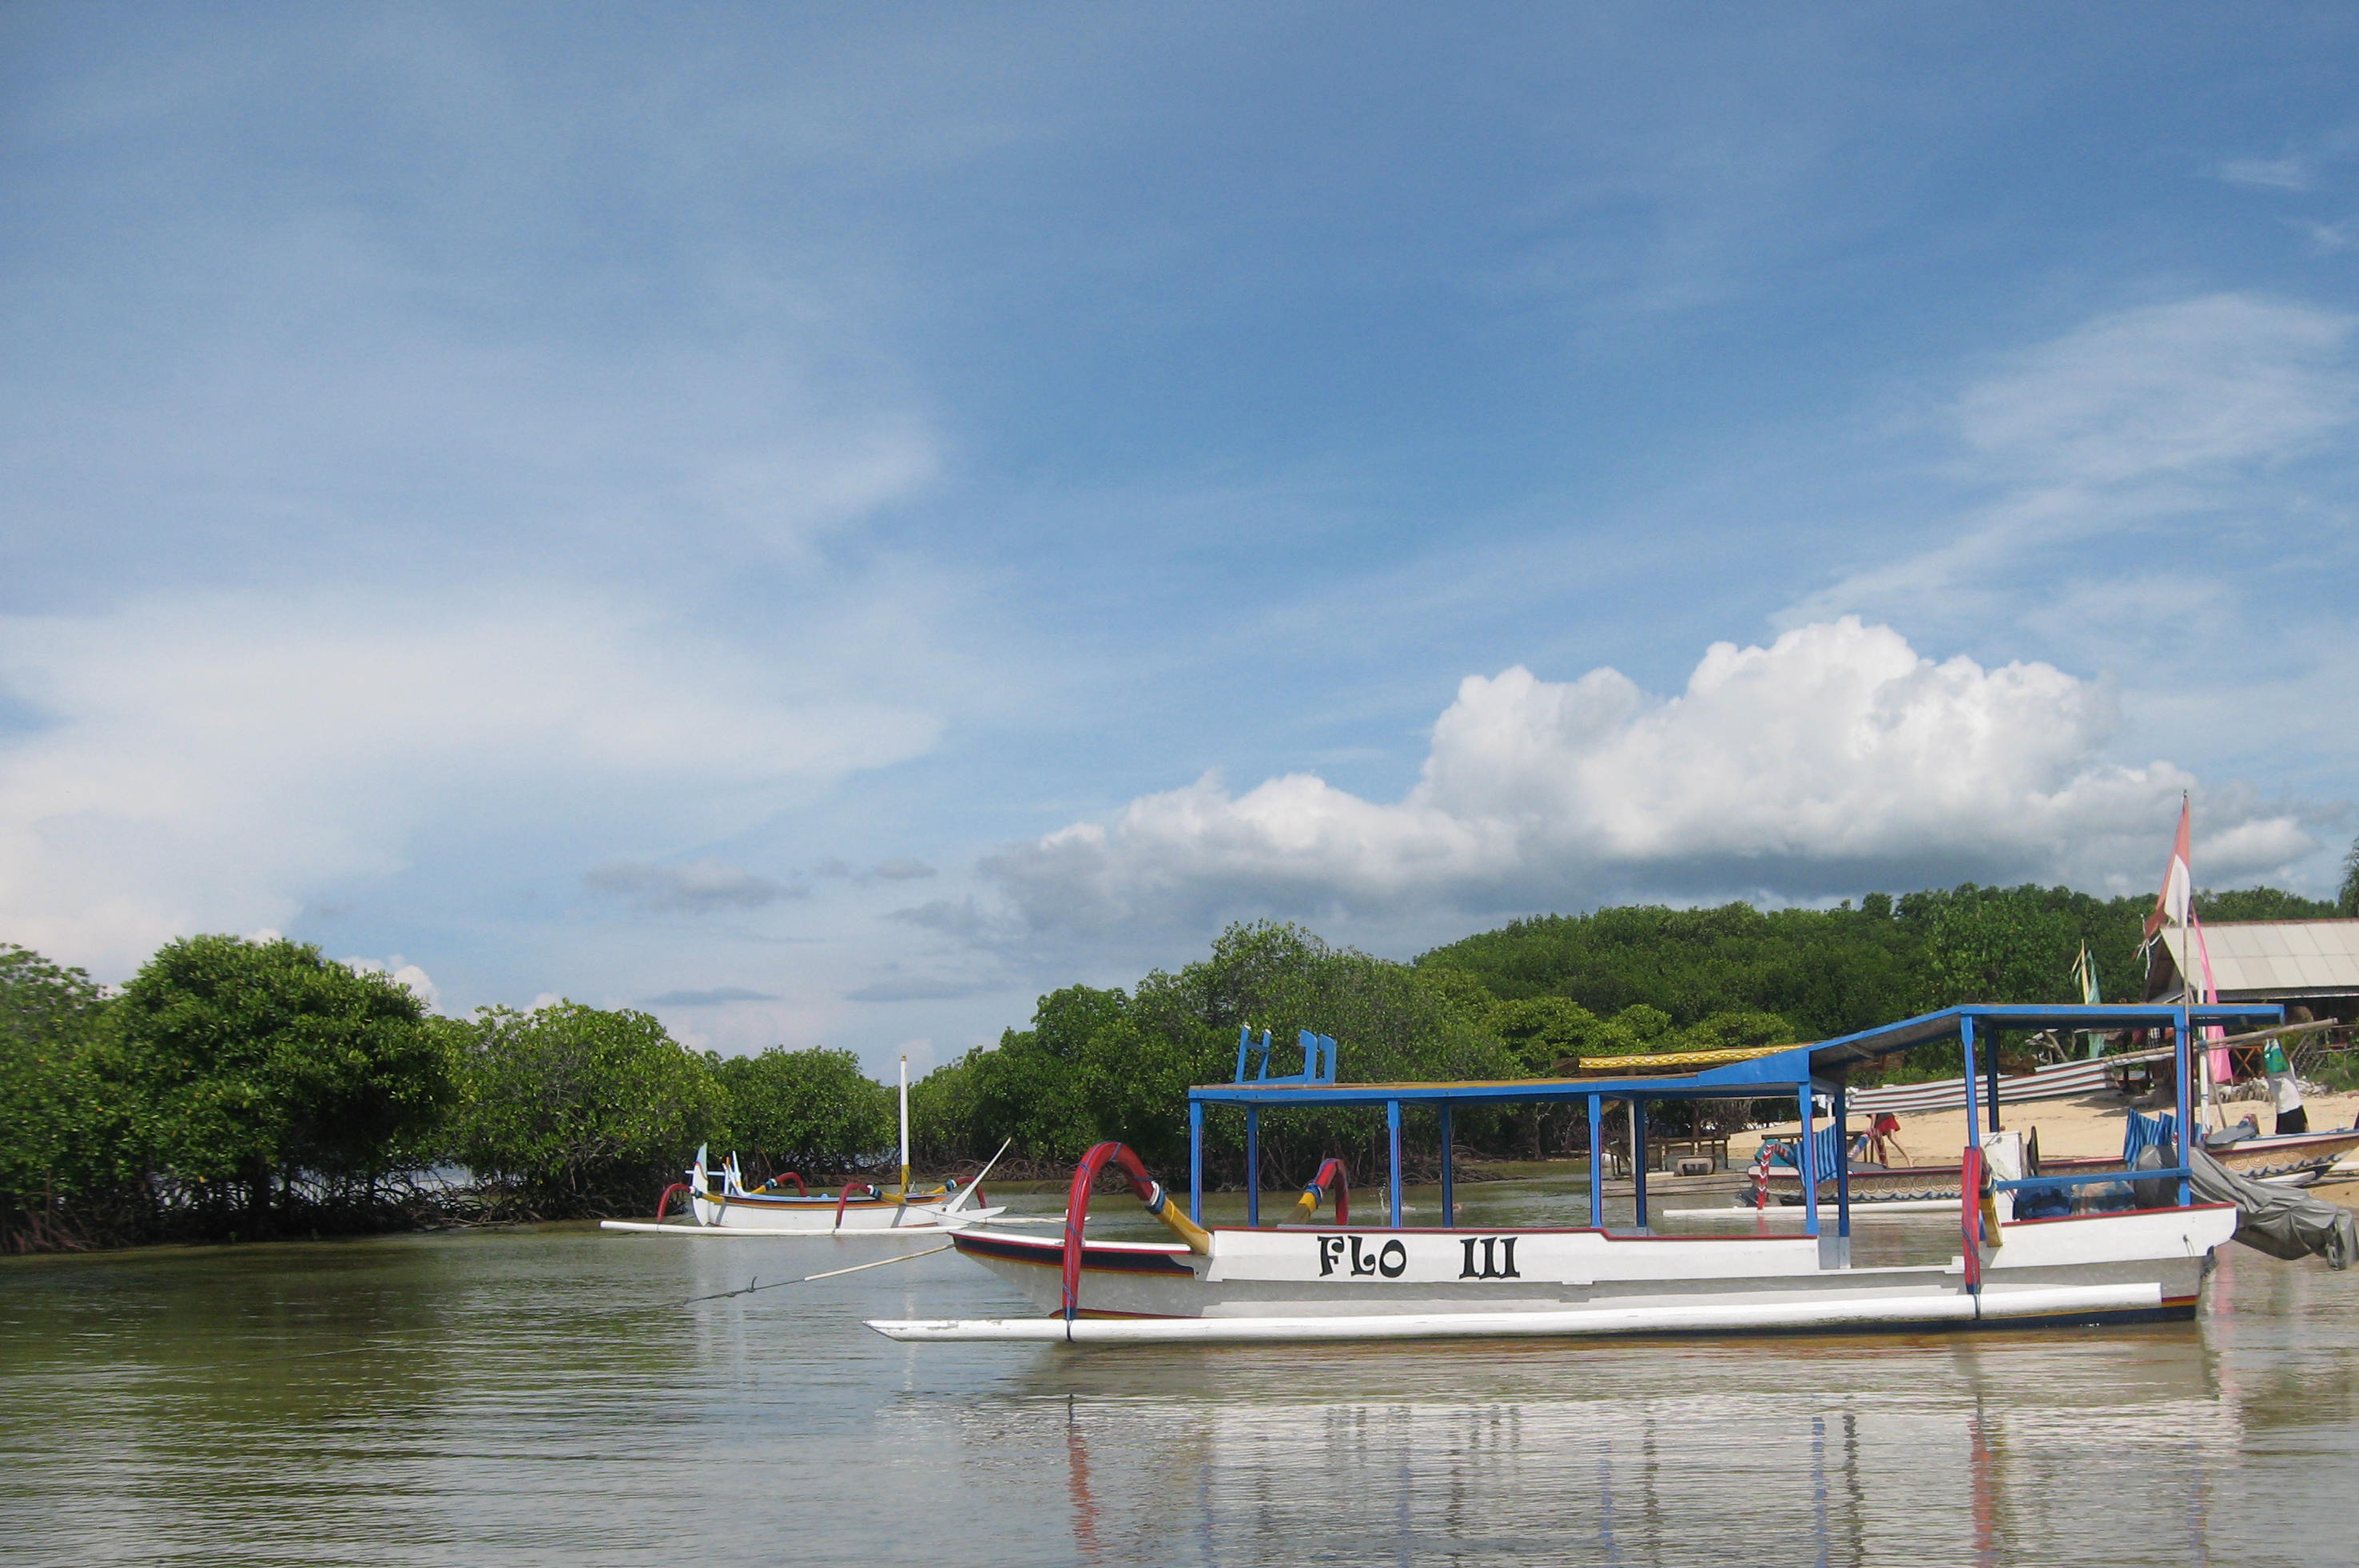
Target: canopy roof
2293	960
1822	1065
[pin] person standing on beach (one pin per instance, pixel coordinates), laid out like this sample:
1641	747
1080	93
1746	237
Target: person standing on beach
2285	1090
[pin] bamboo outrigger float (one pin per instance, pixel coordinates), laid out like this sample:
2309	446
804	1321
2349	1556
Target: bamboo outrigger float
1300	1281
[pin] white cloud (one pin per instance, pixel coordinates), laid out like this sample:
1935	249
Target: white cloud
2128	423
409	976
2330	239
2266	173
206	762
2188	386
1834	760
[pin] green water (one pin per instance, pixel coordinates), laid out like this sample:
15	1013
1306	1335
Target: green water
544	1396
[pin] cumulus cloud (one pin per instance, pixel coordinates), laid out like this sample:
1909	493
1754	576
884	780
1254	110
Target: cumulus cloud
1835	760
211	761
411	977
691	889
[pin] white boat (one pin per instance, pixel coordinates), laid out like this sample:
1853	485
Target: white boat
719	1200
1300	1281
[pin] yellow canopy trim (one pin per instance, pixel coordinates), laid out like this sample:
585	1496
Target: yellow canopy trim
1674	1060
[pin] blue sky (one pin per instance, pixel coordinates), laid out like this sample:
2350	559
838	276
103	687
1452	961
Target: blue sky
828	521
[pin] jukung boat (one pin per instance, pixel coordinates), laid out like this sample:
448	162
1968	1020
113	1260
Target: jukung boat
2290	1157
2296	1155
1307	1281
719	1202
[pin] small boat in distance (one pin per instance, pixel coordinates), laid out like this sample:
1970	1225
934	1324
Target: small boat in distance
2090	1263
719	1201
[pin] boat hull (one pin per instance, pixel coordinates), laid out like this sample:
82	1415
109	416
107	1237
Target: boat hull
1304	1283
824	1217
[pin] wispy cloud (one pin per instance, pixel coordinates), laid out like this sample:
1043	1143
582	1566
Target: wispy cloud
210	762
2266	173
694	887
922	988
2133	419
2302	166
718	996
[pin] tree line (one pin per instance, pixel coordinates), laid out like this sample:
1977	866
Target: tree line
239	1088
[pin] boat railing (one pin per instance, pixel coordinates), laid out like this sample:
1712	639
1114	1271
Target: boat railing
1318	1058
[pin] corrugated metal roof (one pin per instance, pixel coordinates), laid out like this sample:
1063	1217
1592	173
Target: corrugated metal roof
2266	956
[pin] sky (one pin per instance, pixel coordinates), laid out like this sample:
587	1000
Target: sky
827	522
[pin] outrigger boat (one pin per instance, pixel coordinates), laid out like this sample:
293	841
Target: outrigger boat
1300	1281
2290	1157
2296	1156
719	1202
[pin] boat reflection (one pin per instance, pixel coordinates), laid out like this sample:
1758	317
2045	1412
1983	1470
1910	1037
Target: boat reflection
1825	1451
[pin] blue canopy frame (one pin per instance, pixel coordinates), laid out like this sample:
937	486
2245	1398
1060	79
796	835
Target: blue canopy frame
1800	1071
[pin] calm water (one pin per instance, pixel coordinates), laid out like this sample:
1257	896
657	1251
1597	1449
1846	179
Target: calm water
544	1396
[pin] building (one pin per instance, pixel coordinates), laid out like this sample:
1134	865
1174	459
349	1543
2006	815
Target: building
2310	965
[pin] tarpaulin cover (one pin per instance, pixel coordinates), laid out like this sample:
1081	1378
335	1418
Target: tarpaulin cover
2284	1221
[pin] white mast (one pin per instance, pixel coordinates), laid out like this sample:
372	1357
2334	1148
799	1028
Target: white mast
904	1125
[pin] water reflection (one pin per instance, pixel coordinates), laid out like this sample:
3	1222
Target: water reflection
547	1397
1835	1451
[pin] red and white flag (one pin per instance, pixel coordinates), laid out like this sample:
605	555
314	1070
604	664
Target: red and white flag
2176	904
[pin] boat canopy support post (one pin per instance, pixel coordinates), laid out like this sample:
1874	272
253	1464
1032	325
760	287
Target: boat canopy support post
1638	1163
2186	1125
1973	1095
1196	1160
1392	1136
1806	1159
1596	1162
1449	1191
1253	1165
1843	1162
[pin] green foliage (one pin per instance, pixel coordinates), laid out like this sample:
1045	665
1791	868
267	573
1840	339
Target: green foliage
251	1061
2346	899
1102	1064
2260	904
580	1108
61	1134
1828	972
1541	1032
1810	973
805	1111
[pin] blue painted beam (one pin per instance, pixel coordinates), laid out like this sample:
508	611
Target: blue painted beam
1449	1189
1393	1132
1253	1165
1196	1162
